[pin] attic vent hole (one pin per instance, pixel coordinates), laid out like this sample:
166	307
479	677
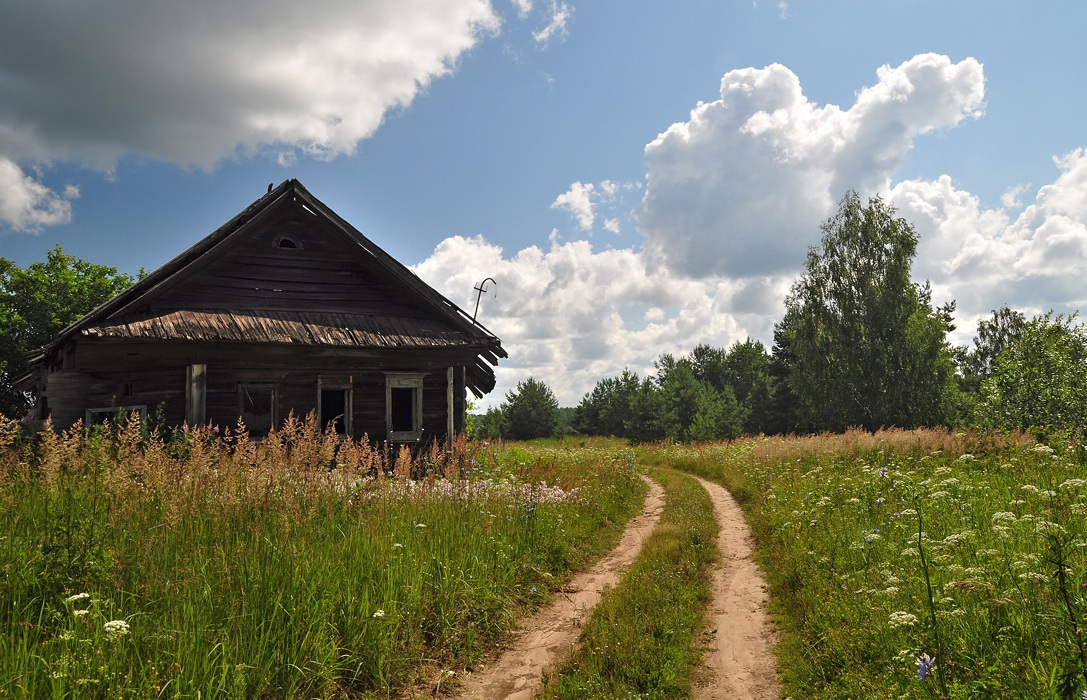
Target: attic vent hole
284	242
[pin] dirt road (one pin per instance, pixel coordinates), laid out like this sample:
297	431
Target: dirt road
740	658
547	637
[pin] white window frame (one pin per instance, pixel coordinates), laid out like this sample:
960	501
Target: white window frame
404	380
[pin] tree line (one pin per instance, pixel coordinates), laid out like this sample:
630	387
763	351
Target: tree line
860	345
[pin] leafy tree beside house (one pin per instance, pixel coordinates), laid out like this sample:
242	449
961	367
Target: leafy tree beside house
37	302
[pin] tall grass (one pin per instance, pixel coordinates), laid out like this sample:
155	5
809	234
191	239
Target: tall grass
642	640
920	563
194	566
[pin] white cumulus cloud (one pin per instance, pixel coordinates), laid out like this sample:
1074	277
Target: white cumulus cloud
578	201
194	82
584	199
741	186
27	205
985	259
571	315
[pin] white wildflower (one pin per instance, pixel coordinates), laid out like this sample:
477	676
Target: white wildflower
1034	576
77	597
378	613
115	629
1044	526
902	619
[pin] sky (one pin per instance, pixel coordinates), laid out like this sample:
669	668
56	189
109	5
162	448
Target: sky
635	177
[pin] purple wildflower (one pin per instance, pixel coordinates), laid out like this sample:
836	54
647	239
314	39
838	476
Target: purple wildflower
924	664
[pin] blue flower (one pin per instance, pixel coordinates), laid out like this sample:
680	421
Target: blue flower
924	664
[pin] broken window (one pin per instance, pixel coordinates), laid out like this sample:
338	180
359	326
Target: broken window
257	407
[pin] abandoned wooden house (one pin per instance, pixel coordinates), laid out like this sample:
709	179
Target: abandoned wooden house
285	308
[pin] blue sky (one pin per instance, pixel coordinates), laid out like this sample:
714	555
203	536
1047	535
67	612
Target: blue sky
639	177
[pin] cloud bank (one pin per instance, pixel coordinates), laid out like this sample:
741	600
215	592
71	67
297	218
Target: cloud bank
194	82
734	197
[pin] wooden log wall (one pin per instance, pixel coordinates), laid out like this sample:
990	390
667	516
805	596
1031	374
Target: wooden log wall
107	373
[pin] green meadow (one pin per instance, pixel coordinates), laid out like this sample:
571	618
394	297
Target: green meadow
914	564
901	564
136	566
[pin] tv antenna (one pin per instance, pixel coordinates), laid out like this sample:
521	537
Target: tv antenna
481	289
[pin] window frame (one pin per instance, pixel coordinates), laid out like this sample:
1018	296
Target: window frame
404	380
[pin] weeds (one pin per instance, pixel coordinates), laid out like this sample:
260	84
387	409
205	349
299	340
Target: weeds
134	564
916	563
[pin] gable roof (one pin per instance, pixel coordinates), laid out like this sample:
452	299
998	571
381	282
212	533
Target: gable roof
149	309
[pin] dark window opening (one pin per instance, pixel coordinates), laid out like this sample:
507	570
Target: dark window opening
257	407
286	242
334	410
114	415
402	402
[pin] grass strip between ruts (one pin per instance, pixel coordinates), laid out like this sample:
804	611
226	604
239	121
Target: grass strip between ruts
642	640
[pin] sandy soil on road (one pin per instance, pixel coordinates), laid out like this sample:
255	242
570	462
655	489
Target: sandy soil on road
740	658
548	636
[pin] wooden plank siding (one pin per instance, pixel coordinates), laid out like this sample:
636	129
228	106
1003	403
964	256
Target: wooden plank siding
112	373
283	295
325	272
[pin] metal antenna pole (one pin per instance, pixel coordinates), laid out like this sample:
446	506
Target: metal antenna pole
481	288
